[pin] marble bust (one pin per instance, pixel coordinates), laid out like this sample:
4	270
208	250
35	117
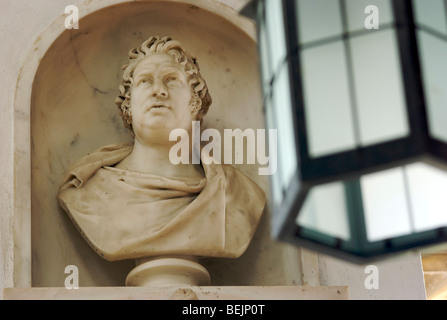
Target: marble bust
129	201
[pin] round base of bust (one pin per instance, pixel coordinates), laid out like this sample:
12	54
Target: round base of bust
163	271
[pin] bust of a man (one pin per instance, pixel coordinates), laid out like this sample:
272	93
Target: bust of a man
131	201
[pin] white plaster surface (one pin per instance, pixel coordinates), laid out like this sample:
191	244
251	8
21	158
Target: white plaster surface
399	278
21	21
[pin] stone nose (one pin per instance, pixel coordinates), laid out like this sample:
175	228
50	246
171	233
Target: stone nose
159	90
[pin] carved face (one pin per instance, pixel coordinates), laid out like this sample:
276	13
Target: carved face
160	98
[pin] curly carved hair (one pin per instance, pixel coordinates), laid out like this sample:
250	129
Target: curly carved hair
201	99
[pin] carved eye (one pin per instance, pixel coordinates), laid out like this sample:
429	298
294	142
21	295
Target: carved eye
172	81
144	81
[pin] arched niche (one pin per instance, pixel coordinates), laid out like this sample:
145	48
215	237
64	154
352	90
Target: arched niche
64	108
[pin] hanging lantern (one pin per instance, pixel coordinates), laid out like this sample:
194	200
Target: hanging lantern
357	91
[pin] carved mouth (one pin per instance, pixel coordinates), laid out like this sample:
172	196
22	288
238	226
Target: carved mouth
157	106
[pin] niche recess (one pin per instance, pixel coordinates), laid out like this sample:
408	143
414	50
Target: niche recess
72	113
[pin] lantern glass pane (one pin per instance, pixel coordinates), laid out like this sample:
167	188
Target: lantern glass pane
427	186
398	204
325	211
378	87
431	14
282	106
358	12
385	205
330	127
318	19
266	68
275	33
433	53
277	189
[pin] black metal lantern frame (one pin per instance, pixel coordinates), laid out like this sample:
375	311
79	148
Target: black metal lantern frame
348	166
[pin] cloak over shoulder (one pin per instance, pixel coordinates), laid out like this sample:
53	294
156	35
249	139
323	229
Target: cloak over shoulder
128	215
